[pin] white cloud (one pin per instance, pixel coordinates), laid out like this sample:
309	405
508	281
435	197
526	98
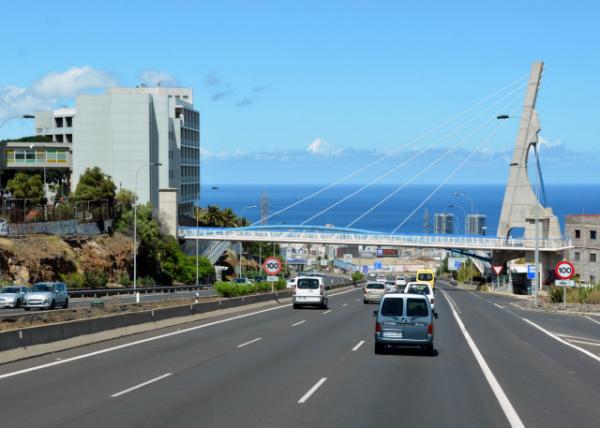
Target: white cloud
222	155
320	147
545	143
156	78
46	92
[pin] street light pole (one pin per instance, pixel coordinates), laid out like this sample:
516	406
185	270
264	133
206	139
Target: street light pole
466	196
137	295
464	212
241	219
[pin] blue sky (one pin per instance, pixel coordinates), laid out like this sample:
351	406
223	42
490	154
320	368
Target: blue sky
306	92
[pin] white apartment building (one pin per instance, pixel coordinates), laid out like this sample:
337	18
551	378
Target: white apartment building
127	130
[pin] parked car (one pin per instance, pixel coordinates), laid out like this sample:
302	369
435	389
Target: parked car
401	281
404	320
421	288
47	295
244	281
373	292
310	291
13	296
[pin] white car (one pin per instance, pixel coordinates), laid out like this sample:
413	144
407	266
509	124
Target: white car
310	291
390	286
381	278
401	281
291	283
421	288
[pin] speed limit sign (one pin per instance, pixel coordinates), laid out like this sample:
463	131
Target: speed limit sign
564	270
272	265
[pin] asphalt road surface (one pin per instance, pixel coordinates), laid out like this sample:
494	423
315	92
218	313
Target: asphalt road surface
296	368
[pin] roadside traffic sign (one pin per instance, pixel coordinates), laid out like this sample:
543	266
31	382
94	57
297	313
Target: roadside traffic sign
530	271
564	283
272	265
272	278
457	265
564	270
377	265
498	269
365	269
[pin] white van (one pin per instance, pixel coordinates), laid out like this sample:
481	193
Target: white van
310	291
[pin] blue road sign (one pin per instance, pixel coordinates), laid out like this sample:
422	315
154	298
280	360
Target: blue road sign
377	265
365	269
530	271
457	265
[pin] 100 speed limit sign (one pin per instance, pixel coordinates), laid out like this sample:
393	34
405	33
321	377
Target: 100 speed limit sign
564	270
272	266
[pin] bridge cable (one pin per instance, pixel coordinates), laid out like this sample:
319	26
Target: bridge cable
464	161
376	161
417	154
431	165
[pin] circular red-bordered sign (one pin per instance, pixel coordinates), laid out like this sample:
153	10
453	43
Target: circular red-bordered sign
564	270
272	265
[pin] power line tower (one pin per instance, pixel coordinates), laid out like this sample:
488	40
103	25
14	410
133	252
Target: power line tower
426	221
264	208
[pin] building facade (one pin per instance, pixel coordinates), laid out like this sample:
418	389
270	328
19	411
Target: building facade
128	131
476	224
443	223
584	230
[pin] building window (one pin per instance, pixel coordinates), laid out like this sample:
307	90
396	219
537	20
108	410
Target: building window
592	234
592	279
577	234
577	256
593	257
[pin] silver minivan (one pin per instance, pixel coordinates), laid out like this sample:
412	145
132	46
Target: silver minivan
47	295
404	320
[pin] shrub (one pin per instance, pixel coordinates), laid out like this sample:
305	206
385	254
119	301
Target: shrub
556	294
93	279
357	276
146	281
125	281
73	280
226	289
280	284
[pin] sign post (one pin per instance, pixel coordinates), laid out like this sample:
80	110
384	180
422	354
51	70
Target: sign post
564	271
272	266
498	270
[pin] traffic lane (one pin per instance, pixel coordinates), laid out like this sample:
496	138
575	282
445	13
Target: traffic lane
407	387
548	383
361	389
115	370
83	302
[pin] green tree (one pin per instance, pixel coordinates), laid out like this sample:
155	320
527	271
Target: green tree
94	185
125	198
25	186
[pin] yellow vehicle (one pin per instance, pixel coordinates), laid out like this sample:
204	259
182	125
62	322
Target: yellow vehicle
426	275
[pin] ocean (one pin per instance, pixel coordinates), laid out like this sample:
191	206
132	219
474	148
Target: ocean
487	199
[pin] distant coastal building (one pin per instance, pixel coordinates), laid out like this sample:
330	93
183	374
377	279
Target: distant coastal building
476	224
443	223
584	231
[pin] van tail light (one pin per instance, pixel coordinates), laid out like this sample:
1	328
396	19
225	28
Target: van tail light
432	301
378	327
430	329
322	289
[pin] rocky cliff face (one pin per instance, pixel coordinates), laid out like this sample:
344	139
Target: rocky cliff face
45	258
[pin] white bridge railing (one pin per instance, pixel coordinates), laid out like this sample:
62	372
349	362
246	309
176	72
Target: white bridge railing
362	238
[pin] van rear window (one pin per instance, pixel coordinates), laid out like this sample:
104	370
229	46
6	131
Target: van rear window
392	307
307	283
424	277
416	308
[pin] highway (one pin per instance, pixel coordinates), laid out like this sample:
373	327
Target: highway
279	367
84	302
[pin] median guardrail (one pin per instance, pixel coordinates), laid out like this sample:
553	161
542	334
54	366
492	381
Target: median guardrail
99	292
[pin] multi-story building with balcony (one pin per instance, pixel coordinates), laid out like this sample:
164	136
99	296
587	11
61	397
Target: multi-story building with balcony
584	230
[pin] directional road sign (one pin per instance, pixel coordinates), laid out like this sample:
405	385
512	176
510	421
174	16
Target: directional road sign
272	265
530	271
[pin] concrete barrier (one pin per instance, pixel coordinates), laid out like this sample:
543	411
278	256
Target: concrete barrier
59	331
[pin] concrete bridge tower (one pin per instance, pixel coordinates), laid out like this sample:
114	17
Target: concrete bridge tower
521	205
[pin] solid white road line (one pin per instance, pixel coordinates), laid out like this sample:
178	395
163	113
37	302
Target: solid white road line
151	339
249	342
509	411
592	320
141	385
358	345
298	323
327	311
568	337
553	336
583	342
498	306
344	305
312	390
